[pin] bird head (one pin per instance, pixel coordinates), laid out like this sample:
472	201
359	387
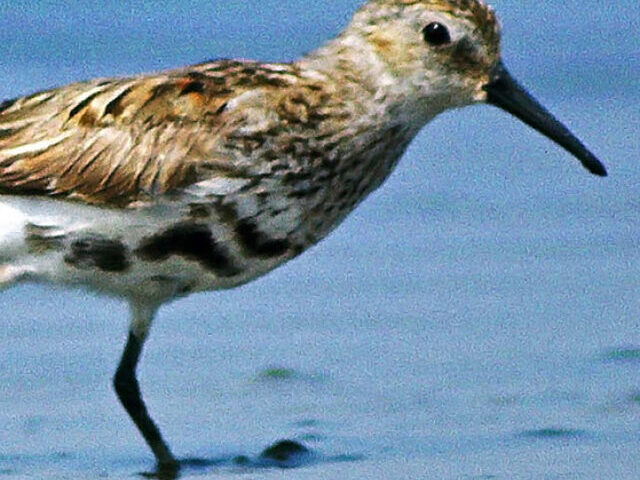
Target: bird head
443	54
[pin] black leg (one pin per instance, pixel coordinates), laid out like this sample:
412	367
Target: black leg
128	391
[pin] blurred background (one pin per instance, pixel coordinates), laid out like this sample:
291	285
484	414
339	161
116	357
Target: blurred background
477	317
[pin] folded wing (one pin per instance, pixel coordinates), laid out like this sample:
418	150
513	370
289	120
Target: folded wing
119	141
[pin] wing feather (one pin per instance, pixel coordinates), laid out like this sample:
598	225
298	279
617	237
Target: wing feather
119	141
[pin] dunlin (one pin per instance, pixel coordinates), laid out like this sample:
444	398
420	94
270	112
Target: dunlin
153	187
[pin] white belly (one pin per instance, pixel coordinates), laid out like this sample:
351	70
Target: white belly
154	253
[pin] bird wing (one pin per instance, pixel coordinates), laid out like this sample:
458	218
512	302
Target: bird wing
118	141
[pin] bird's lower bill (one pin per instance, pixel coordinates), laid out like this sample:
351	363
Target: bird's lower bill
506	93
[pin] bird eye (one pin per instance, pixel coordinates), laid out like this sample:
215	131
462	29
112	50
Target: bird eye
436	34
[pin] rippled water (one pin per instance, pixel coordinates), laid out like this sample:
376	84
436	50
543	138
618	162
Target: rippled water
476	318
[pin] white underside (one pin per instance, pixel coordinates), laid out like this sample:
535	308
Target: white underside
142	282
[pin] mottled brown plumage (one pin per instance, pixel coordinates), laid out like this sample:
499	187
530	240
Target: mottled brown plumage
114	142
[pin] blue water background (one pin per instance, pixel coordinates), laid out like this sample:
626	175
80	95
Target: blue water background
477	317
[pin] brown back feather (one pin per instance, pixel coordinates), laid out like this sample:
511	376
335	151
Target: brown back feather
118	141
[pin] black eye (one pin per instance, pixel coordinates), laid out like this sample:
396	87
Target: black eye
436	34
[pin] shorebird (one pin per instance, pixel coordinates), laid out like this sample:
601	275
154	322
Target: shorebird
152	187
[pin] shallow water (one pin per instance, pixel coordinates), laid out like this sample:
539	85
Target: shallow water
476	318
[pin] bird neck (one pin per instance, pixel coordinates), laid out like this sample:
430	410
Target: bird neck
364	80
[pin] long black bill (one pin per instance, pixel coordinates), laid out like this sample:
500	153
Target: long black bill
505	92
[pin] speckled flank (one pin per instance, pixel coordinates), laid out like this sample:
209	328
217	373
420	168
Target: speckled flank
42	239
99	253
193	241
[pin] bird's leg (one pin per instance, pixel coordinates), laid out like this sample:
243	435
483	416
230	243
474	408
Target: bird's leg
128	390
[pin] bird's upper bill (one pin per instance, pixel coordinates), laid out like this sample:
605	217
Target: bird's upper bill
506	93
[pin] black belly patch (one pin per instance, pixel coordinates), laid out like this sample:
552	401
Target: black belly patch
98	252
257	243
252	240
192	241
